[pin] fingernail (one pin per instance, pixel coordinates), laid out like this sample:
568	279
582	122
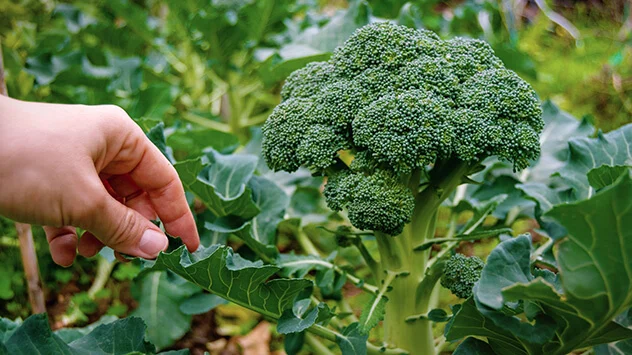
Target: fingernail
153	242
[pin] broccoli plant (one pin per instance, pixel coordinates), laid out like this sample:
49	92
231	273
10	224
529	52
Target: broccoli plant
396	120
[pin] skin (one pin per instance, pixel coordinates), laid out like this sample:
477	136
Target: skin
89	167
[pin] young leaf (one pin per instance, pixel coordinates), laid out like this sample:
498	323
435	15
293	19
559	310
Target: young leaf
352	341
221	185
298	318
372	313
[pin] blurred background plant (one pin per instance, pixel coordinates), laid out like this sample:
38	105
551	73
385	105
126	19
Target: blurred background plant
211	70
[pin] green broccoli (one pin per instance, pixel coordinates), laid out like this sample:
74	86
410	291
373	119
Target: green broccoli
461	273
400	100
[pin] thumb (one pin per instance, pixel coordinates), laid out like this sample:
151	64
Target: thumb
125	230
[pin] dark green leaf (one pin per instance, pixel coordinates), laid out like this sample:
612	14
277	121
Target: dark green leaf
473	346
201	303
293	343
124	336
352	341
605	175
219	270
160	299
298	318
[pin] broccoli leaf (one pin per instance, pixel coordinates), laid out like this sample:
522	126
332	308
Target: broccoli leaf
221	184
123	336
159	291
595	285
219	270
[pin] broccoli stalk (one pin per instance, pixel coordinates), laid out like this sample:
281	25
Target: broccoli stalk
396	120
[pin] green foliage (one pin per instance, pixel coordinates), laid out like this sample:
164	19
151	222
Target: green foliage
572	311
125	336
461	273
160	296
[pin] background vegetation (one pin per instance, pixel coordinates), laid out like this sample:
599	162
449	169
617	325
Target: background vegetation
212	71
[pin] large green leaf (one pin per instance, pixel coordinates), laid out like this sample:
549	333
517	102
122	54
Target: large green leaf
219	270
559	128
584	154
221	183
594	286
34	336
160	296
190	143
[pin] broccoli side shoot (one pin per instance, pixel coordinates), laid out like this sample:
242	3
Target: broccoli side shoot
399	100
461	273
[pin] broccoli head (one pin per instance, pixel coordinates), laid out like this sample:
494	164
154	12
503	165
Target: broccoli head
399	100
461	273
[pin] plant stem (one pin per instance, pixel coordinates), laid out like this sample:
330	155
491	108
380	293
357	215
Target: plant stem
31	269
318	348
397	255
332	335
306	244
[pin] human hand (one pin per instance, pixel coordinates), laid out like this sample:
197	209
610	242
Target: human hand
67	166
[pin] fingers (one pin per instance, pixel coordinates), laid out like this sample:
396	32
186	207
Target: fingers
122	228
88	245
158	178
132	195
63	244
133	153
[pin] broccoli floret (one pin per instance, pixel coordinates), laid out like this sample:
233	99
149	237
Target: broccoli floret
461	273
376	202
400	100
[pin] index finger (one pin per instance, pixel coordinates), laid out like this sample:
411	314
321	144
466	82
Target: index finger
158	178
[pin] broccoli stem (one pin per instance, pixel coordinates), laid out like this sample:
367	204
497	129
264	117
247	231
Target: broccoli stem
397	255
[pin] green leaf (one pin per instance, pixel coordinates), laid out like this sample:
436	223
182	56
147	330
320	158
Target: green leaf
372	314
160	299
153	101
352	341
473	346
481	211
221	184
502	185
545	196
219	270
260	232
299	318
613	148
201	303
71	334
156	135
293	343
289	58
593	288
34	336
559	128
605	175
468	321
190	143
